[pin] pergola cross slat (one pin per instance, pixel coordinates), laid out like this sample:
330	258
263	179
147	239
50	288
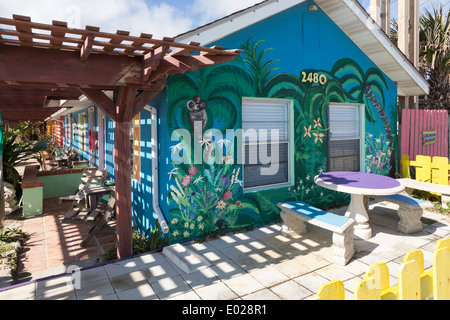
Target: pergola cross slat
41	62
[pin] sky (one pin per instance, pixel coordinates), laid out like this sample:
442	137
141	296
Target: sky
158	17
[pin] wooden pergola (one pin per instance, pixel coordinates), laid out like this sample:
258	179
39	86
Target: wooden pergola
43	62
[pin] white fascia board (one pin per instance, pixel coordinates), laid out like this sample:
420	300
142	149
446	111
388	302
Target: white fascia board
235	22
390	48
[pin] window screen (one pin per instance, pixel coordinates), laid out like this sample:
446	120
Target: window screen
344	148
266	145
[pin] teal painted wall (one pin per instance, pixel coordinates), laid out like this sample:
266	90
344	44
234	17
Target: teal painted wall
60	185
33	201
298	55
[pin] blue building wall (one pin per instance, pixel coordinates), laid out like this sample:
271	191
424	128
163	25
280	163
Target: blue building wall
281	56
292	42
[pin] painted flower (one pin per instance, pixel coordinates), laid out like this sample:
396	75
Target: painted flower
223	142
185	234
177	147
201	227
199	218
318	136
199	179
186	181
193	171
175	233
186	224
317	123
225	181
220	205
227	195
173	173
307	131
174	221
192	226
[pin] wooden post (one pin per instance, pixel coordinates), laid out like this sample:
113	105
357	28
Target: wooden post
403	38
414	43
375	11
122	169
386	16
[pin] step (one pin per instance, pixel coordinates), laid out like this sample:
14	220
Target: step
185	259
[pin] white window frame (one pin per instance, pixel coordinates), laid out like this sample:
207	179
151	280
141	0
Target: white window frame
361	115
288	103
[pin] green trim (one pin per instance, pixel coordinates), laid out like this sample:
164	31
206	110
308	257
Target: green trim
429	132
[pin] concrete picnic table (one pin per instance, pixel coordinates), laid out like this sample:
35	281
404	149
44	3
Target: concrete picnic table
358	185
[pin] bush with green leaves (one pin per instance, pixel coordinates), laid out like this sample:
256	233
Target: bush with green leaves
17	150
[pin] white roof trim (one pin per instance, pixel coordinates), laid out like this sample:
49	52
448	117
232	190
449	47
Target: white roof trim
369	37
348	15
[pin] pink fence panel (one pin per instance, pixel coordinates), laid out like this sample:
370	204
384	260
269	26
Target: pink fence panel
424	132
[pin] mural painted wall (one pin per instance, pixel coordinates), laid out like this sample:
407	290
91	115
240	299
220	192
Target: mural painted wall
296	55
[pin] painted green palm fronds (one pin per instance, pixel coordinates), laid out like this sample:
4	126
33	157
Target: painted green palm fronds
259	70
347	66
355	82
286	86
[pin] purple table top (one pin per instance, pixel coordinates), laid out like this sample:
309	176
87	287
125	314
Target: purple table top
359	180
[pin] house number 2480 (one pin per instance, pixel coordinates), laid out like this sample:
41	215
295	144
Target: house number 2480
314	77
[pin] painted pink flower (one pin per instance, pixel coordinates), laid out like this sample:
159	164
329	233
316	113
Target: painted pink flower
227	195
186	181
193	171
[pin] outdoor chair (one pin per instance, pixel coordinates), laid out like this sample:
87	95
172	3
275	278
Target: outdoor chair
99	217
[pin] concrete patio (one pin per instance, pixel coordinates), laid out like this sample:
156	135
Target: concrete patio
260	264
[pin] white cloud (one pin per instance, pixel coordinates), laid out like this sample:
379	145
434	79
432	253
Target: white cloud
135	16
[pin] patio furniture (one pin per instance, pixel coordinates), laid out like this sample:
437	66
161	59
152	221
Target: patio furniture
99	218
358	185
411	184
294	214
93	193
410	211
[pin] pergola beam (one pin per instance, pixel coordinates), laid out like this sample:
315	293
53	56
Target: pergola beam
134	68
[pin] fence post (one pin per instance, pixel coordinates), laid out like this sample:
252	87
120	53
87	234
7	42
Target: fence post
423	168
333	290
405	166
409	281
441	274
377	279
439	169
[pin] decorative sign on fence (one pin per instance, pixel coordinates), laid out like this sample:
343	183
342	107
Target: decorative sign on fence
428	137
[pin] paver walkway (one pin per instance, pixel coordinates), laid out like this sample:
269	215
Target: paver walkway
54	242
260	264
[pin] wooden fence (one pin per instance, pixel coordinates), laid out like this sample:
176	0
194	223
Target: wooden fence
424	132
413	282
434	170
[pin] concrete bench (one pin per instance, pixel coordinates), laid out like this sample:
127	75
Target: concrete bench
411	184
410	211
294	214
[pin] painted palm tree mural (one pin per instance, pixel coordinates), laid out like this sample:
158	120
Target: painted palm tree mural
207	197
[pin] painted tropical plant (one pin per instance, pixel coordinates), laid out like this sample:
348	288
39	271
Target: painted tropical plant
378	154
367	87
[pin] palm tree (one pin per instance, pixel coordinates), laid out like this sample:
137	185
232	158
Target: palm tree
435	56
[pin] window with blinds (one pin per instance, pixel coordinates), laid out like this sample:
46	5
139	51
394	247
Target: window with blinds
266	142
344	146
